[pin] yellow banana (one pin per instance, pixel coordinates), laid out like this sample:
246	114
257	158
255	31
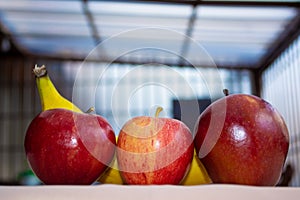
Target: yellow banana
49	96
112	174
197	174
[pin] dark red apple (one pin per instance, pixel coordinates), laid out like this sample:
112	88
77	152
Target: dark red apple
153	150
242	139
65	147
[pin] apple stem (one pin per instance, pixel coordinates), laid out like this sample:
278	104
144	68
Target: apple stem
158	110
226	92
90	110
39	71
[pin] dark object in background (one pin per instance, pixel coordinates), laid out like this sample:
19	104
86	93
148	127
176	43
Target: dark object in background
188	110
286	176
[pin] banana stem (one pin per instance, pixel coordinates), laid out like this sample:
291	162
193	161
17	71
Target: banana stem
39	71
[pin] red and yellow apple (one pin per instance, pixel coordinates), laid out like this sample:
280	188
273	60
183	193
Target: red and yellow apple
154	150
65	147
242	139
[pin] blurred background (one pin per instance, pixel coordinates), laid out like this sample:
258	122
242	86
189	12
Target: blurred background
126	57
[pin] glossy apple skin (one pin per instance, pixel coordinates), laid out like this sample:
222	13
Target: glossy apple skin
154	151
253	143
64	147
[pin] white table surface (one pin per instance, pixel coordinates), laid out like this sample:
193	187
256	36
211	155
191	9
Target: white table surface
124	192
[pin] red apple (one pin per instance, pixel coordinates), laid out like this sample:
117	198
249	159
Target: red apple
242	139
153	150
65	147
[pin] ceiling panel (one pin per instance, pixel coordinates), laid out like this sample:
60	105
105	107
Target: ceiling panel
140	30
73	6
235	35
54	28
143	31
